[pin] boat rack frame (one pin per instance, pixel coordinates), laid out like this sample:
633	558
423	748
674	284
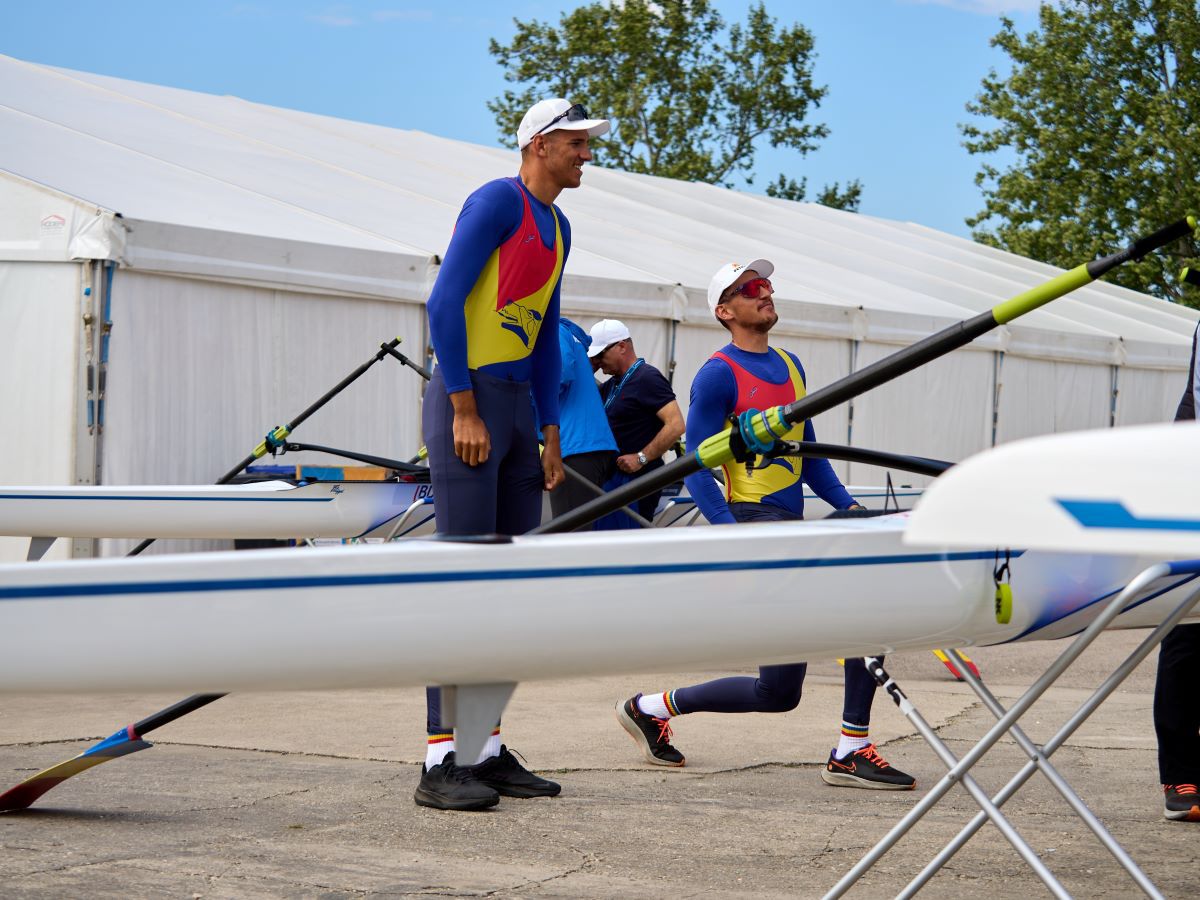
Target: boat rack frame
1038	757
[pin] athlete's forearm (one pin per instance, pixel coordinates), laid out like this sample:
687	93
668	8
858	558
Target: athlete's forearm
709	498
671	431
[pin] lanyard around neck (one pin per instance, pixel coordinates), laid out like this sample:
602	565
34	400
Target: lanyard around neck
620	384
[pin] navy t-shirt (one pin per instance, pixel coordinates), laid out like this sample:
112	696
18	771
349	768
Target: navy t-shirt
632	403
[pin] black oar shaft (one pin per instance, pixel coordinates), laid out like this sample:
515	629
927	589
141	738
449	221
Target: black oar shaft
171	713
805	408
920	465
283	431
279	433
717	450
915	355
1142	246
419	369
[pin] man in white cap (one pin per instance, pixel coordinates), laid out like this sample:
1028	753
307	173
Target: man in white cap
642	412
493	321
747	373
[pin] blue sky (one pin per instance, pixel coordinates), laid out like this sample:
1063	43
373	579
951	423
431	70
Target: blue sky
899	72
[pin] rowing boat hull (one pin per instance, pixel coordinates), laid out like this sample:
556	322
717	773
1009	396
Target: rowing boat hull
1114	490
276	509
261	510
436	612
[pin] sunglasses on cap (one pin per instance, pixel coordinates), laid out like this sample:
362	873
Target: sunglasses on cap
750	290
575	113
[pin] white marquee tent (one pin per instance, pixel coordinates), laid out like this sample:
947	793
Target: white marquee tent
181	272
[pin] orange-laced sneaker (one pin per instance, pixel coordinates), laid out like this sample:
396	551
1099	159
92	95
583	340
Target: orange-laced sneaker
865	768
1181	802
650	733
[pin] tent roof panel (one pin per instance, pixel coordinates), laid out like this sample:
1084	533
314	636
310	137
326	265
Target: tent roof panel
217	164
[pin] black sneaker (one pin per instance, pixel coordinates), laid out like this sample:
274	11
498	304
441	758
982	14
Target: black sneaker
449	786
1181	802
865	768
651	734
504	775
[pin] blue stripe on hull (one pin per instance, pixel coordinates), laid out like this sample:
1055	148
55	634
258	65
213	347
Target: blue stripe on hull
314	581
1113	514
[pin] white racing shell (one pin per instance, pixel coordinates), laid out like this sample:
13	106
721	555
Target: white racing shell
1118	490
436	612
266	509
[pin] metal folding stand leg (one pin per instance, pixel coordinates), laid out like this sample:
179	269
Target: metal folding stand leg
1038	760
959	767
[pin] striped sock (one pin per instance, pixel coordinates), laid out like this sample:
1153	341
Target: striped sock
491	748
440	743
658	706
854	737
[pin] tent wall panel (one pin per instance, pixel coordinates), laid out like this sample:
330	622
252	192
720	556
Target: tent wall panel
942	410
40	320
201	371
1042	397
1146	396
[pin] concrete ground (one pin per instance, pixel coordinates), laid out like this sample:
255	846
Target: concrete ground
310	795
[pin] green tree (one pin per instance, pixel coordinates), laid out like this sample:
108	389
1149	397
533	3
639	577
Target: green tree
688	97
1100	112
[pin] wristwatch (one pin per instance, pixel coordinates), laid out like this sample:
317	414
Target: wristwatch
642	458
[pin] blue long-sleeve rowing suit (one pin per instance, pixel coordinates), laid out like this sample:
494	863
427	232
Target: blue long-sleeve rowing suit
494	307
493	320
735	380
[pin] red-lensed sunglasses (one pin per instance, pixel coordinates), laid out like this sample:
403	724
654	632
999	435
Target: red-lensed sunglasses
751	289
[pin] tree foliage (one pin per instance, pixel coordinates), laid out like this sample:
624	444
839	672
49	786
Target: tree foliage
688	97
1100	110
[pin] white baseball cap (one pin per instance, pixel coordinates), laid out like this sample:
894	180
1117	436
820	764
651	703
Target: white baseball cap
604	334
728	274
554	115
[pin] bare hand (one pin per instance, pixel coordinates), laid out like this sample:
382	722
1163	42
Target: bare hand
472	443
552	464
629	463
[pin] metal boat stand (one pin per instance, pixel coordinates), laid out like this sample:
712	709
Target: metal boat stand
1007	724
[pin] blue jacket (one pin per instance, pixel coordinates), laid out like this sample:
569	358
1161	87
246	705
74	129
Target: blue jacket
582	424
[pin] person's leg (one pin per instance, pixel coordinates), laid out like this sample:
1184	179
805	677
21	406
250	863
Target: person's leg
467	500
856	762
518	509
593	467
615	521
647	507
464	497
776	689
645	716
521	480
858	695
1177	721
464	503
